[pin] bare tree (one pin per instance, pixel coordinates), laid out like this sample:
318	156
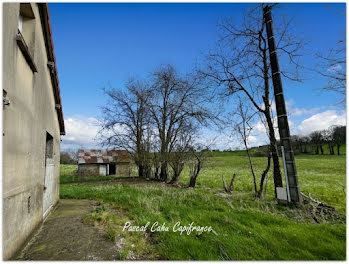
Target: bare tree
328	139
305	140
263	177
196	164
339	136
316	139
333	67
176	101
68	157
243	128
126	123
296	144
181	152
231	185
156	165
155	121
240	65
197	159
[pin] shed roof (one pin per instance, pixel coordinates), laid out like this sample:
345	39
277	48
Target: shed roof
103	156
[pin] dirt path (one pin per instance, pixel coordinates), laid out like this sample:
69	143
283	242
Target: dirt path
64	236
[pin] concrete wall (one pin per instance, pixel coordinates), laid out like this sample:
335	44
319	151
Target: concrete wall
88	170
25	122
93	170
123	169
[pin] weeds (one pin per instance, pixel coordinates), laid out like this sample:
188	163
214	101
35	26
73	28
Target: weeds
111	233
131	245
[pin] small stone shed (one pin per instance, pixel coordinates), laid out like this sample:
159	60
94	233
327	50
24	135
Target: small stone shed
97	162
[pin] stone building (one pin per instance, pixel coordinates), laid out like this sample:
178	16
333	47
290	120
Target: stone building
32	122
96	162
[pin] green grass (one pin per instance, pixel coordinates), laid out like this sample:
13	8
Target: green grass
322	176
246	229
68	170
68	174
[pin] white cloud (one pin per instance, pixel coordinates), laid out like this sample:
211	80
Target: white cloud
292	110
80	132
301	111
334	68
259	127
252	140
321	121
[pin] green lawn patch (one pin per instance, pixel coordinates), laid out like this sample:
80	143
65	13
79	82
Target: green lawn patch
68	174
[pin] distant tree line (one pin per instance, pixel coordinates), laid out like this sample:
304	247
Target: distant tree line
69	157
333	137
314	143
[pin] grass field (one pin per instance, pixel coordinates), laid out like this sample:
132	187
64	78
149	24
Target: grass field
68	175
245	228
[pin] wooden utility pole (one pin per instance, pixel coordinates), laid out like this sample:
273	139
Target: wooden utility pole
284	129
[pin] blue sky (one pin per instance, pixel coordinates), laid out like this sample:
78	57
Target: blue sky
98	45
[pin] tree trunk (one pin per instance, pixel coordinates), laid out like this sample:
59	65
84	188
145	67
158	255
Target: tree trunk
147	171
163	172
331	149
192	181
156	173
164	160
195	173
317	150
322	150
140	171
275	157
175	178
338	149
266	112
231	186
264	174
251	167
